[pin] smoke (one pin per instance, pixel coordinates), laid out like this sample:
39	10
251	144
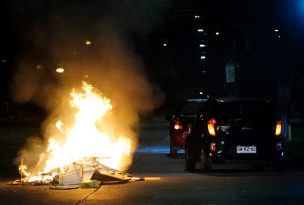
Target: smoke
54	34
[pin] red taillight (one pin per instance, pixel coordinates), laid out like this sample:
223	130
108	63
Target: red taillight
212	127
213	147
178	125
278	128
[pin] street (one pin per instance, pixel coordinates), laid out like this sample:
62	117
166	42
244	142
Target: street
167	182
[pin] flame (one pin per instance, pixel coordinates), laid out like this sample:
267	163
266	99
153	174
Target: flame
83	138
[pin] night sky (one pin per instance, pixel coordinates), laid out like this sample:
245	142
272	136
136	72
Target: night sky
266	59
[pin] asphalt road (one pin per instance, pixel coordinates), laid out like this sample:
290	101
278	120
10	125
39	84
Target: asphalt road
168	183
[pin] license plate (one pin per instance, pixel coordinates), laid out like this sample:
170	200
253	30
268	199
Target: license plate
246	149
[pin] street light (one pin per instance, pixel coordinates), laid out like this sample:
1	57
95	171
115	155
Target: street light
300	6
39	66
60	70
88	42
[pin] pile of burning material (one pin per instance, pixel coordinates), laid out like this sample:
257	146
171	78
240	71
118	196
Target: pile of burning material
88	173
84	149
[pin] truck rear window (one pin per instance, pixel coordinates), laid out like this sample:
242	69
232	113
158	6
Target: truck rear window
246	110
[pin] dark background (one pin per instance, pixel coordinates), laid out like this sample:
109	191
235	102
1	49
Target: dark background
268	63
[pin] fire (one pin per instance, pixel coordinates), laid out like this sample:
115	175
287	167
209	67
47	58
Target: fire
83	138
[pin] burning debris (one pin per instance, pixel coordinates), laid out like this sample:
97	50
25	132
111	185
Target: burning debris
87	173
84	151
